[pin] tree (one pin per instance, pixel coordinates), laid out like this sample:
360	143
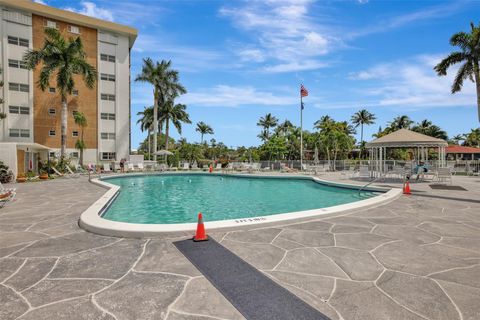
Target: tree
428	128
472	139
165	84
334	140
399	122
362	117
457	138
146	124
323	122
63	58
267	122
177	114
469	55
81	121
203	128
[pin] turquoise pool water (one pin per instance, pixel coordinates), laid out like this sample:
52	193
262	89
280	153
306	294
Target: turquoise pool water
178	198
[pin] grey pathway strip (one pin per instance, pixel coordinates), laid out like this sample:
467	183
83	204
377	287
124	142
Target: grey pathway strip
256	296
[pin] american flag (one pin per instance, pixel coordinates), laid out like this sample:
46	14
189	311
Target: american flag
303	91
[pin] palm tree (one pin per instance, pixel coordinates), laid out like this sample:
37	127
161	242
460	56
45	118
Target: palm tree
146	123
323	122
203	128
81	121
176	113
469	55
284	127
400	122
267	122
457	138
360	118
428	128
165	84
472	139
64	58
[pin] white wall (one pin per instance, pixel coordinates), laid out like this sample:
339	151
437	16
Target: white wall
8	154
17	24
118	46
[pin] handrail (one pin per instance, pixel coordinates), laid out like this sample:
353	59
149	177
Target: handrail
369	183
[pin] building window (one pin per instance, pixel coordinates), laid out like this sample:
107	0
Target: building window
18	87
19	133
108	97
17	64
107	155
74	133
52	111
51	154
74	29
107	136
107	116
107	57
75	92
50	24
18	41
74	154
107	77
19	110
51	90
52	133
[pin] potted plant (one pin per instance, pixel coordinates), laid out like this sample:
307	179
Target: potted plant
43	174
21	177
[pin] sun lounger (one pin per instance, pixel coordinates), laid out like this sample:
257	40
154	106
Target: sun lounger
186	166
5	190
130	167
364	172
6	197
71	173
443	175
218	166
106	168
140	166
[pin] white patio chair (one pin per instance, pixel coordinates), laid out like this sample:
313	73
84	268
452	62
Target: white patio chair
444	175
140	166
218	166
186	166
72	174
130	167
106	168
5	190
6	197
364	172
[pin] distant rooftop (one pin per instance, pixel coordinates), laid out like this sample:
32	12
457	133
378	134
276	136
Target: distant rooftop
461	149
406	138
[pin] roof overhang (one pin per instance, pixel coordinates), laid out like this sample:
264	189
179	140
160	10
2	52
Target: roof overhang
72	17
31	146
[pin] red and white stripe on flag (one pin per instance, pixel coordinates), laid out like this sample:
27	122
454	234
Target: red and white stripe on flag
303	91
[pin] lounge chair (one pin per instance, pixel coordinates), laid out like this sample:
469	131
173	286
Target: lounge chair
71	173
130	167
58	173
6	197
218	166
346	174
443	174
186	166
364	172
140	166
5	190
285	168
106	168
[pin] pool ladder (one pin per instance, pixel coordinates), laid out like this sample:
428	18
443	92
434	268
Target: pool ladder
369	183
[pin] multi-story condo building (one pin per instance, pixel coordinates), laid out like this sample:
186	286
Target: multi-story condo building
33	125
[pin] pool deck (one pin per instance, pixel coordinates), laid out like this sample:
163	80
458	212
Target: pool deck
417	257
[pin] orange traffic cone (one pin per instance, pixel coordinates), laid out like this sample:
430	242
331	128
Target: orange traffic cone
406	188
200	235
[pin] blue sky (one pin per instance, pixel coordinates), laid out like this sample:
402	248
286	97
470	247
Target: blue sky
242	59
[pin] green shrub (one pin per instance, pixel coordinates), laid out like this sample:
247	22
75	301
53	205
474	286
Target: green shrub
6	175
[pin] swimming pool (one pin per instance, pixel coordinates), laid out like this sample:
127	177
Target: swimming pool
177	198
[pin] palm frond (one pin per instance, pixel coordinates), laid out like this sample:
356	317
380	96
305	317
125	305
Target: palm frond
451	59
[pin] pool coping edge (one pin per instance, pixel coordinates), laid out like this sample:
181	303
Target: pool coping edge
92	221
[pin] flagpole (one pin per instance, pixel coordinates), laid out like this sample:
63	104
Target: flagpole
301	131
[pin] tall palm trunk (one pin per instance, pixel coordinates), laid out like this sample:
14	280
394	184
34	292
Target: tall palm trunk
166	132
155	123
64	127
149	145
201	139
81	150
477	84
361	140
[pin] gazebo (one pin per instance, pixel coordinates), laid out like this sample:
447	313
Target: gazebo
404	138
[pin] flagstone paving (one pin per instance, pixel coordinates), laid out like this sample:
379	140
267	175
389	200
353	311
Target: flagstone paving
415	258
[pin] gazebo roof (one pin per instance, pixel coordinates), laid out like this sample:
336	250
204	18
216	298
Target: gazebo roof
406	138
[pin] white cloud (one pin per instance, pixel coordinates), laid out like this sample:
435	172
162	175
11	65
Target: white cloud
40	1
91	9
412	84
284	32
251	55
230	96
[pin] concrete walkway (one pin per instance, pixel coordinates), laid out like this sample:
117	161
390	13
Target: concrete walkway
415	258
